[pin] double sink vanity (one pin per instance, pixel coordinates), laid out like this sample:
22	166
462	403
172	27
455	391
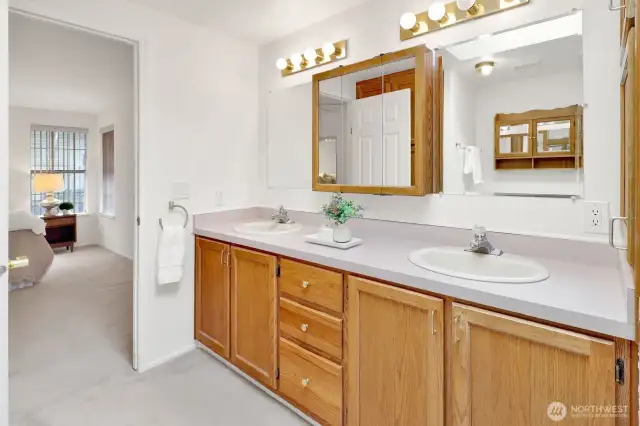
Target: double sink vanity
410	328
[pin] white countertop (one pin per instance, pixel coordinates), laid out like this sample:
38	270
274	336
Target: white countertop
586	295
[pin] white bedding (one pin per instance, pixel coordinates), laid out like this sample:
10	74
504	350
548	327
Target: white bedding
21	220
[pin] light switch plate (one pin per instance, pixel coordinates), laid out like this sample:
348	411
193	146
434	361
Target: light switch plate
180	191
596	217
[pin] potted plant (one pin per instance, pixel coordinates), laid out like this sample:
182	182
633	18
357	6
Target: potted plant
66	207
339	211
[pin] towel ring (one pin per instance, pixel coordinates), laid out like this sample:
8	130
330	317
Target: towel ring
172	206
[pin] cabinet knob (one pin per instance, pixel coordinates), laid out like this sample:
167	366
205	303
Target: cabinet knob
305	284
304	327
305	382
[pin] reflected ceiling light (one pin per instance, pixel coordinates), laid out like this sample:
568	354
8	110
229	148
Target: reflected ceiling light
297	60
283	64
312	55
485	68
471	6
438	12
409	21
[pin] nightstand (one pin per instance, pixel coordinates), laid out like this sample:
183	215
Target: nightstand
61	231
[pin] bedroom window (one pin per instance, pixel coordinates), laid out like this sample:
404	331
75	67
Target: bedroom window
108	173
60	150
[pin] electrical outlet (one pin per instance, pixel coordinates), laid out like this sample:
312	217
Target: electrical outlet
596	217
218	198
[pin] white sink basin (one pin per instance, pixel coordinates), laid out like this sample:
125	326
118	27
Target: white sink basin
456	262
268	227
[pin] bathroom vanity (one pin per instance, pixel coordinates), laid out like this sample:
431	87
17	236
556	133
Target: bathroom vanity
364	336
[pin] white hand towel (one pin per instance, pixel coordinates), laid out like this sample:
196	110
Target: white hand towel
171	254
472	164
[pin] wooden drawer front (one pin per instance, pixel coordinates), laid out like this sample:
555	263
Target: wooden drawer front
315	328
312	382
60	221
309	283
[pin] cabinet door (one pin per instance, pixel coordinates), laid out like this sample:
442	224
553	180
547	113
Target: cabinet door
212	296
254	314
396	345
507	371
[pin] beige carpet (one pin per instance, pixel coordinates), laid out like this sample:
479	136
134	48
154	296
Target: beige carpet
69	359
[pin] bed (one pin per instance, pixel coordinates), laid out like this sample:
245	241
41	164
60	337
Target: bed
26	238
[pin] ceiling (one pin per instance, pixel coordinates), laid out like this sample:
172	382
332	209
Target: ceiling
56	68
259	21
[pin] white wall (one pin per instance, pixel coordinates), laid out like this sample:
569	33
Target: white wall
20	121
117	230
373	28
4	225
198	110
543	92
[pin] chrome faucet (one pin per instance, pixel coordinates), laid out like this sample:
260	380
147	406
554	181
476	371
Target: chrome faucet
282	216
480	243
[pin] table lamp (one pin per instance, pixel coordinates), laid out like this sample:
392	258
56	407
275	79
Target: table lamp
49	183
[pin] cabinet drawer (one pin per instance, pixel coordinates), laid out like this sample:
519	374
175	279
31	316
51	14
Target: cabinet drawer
311	284
60	221
315	328
312	382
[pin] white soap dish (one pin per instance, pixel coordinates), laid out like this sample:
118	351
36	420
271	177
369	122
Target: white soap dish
323	241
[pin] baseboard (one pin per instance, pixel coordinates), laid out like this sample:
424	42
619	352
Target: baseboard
163	360
263	388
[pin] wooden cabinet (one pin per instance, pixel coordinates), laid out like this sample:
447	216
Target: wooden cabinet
61	231
254	306
212	319
506	371
396	356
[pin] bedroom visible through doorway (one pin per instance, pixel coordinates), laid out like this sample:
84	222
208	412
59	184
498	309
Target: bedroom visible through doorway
72	210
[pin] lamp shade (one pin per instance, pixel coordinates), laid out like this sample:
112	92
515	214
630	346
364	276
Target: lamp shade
48	182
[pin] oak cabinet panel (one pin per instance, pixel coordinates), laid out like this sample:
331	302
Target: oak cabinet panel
254	314
506	371
212	319
312	381
396	356
311	284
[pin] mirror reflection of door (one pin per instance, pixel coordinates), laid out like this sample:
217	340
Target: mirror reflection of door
514	139
554	136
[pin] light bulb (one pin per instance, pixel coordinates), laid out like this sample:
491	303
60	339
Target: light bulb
282	64
297	60
485	68
328	49
437	12
310	55
408	21
468	5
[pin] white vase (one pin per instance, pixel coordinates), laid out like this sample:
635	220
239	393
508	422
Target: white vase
341	233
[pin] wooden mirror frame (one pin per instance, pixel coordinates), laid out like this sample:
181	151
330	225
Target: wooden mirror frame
427	164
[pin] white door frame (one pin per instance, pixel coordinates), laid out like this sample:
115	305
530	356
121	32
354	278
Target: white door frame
137	54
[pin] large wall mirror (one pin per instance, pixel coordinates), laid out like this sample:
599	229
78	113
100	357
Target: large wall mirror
372	129
513	111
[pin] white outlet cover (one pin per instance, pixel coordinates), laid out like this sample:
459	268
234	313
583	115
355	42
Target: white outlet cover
596	217
180	190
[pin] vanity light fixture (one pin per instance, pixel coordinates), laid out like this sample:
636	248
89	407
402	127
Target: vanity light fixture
329	52
284	64
485	67
443	15
471	6
438	12
409	21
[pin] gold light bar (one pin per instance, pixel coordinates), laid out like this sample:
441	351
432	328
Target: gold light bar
454	15
302	61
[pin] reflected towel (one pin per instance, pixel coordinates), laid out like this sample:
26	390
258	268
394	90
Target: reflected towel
171	254
472	164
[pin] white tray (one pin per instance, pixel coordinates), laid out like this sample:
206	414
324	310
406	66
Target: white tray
317	239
